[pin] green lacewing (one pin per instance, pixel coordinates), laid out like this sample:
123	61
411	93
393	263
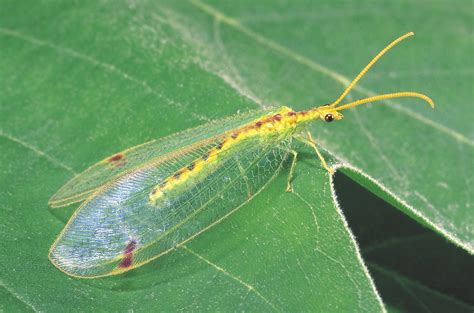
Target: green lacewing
145	201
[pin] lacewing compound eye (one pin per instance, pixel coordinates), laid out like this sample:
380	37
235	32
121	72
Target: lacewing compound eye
329	117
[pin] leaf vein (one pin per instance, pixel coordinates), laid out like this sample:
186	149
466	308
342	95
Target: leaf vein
110	68
17	296
38	152
249	287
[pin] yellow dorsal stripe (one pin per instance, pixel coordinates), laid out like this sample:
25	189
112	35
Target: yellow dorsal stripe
281	121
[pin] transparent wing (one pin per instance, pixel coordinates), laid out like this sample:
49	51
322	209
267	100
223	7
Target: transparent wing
118	229
84	184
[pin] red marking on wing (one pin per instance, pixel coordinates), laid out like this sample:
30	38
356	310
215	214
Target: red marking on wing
277	117
127	261
291	113
115	158
130	247
128	254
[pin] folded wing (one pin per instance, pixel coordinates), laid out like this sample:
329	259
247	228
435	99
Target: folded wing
119	229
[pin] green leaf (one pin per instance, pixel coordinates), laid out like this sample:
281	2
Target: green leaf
82	81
